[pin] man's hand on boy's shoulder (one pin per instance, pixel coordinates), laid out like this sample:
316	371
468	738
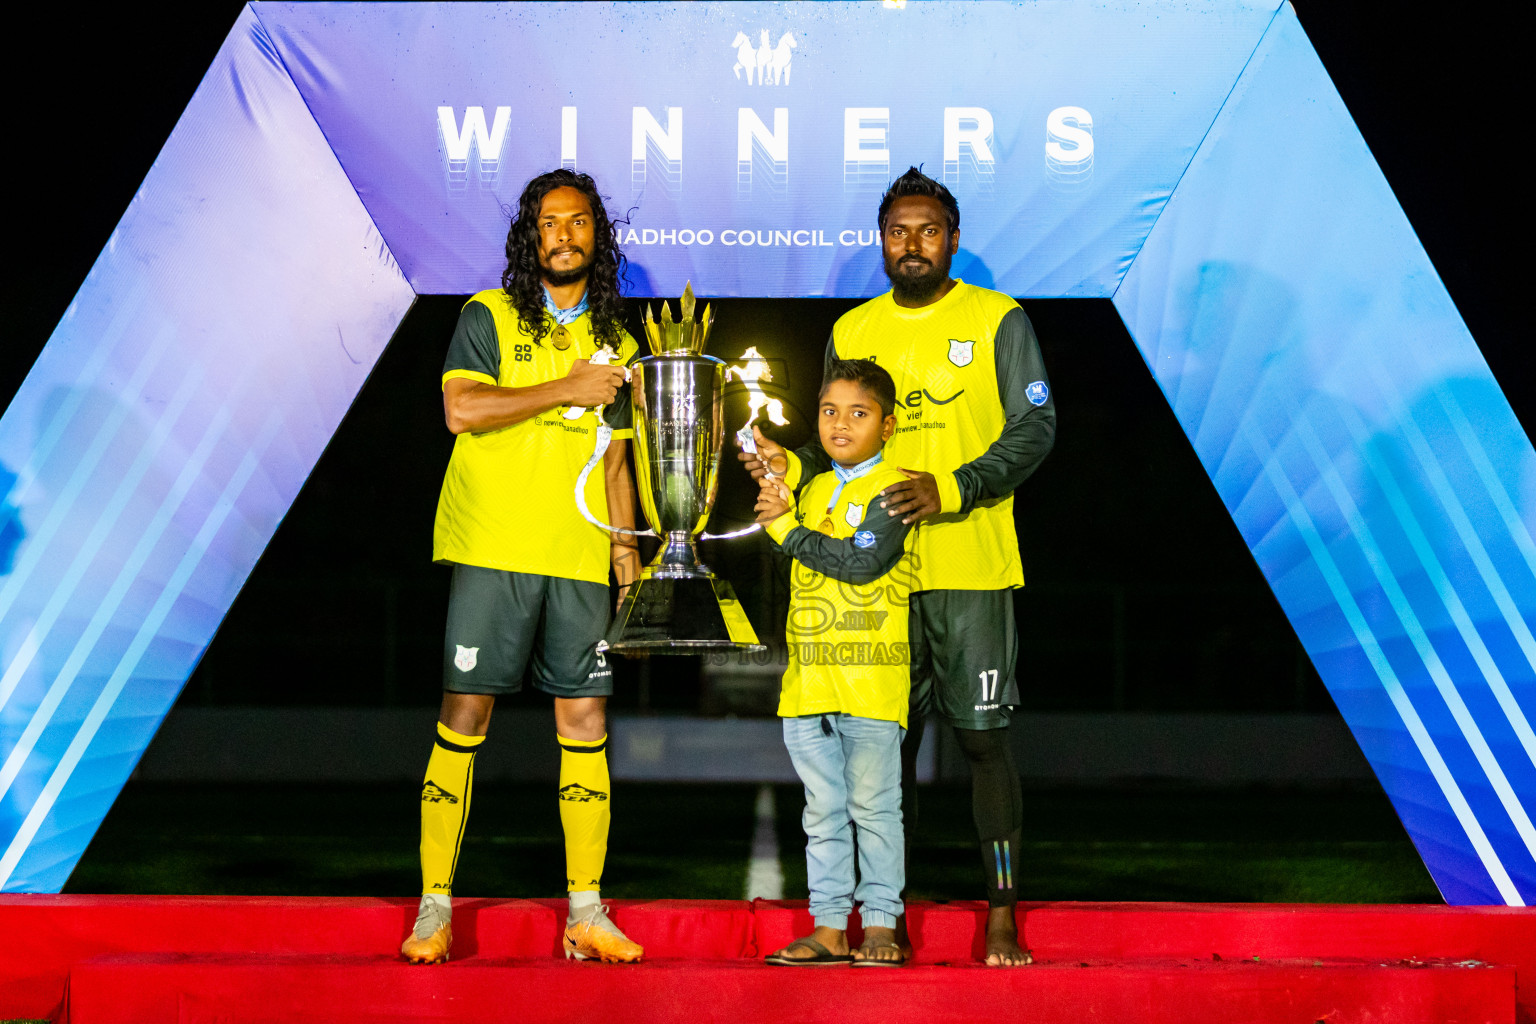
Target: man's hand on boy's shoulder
773	499
912	498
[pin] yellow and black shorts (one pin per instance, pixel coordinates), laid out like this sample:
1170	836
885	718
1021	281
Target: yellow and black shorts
503	626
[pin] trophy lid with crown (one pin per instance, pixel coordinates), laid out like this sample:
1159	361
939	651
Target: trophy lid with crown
685	336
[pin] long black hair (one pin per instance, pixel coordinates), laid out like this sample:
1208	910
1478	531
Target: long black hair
522	280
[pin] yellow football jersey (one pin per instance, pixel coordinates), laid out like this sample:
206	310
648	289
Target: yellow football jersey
508	499
942	360
848	649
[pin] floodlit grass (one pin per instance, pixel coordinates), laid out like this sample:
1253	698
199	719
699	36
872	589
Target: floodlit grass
694	840
361	840
1179	845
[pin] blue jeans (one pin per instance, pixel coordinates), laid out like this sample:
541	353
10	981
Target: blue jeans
851	768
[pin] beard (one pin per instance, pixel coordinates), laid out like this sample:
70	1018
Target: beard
557	278
912	277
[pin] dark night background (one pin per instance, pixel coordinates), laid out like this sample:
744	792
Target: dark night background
1141	596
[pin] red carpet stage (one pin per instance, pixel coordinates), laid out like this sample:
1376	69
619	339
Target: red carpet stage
96	959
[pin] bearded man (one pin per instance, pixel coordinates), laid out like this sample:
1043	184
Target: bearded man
530	367
976	418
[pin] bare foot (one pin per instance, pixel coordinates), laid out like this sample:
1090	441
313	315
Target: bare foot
880	945
1003	948
830	939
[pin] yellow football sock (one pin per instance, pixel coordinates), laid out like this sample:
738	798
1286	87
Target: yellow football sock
445	807
584	813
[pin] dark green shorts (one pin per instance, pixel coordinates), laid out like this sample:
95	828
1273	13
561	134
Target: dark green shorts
499	622
964	647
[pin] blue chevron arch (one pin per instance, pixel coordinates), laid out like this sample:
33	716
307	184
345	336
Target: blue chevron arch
1196	167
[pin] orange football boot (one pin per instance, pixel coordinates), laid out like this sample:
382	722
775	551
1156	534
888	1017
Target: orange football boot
432	935
595	937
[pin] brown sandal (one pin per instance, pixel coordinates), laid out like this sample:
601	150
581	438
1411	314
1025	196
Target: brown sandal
824	957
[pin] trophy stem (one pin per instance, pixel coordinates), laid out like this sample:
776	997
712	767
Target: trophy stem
678	557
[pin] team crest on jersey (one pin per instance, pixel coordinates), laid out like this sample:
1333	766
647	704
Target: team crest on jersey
464	658
960	352
864	539
855	514
1037	393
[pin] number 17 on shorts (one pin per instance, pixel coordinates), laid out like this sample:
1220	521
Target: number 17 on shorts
989	688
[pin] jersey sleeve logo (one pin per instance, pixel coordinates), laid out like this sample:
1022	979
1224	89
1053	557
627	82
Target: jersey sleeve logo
855	514
864	539
960	352
1037	393
464	658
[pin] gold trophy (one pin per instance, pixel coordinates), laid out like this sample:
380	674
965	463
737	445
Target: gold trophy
677	604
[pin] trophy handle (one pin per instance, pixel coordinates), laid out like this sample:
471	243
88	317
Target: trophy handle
604	435
734	533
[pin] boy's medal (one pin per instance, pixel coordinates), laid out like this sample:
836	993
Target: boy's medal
827	526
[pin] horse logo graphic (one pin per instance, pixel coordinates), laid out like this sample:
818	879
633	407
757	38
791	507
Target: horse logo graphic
746	57
766	63
960	352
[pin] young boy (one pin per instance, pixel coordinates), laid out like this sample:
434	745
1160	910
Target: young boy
844	696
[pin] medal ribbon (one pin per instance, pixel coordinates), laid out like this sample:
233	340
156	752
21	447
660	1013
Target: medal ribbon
851	473
564	317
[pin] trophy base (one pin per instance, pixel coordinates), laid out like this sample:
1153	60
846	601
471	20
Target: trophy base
680	615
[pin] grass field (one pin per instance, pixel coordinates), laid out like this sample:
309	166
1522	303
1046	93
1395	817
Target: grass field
674	841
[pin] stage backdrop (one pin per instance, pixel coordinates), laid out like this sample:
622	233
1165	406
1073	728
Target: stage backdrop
1191	161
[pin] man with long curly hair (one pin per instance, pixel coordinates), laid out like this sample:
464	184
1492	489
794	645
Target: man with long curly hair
534	369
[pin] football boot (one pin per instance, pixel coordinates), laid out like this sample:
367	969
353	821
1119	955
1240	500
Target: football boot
430	939
590	935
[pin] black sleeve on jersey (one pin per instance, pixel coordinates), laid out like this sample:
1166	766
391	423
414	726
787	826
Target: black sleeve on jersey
813	458
843	559
474	346
619	413
1029	430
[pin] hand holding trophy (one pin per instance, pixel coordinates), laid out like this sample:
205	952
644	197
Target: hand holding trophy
760	456
773	499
